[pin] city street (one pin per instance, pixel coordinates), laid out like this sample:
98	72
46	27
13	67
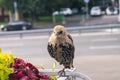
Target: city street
26	25
77	21
97	54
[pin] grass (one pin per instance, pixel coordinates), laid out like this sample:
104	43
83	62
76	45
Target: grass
45	18
2	23
57	18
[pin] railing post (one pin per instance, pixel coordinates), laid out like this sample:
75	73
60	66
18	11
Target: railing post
21	35
49	33
77	28
112	30
79	31
73	78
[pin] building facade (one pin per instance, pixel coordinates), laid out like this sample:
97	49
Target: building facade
4	15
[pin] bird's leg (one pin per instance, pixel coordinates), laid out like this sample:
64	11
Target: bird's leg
61	72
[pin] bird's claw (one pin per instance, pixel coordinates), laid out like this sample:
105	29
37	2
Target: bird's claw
61	73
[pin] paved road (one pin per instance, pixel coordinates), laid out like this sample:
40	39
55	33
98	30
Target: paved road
105	19
77	21
97	53
85	43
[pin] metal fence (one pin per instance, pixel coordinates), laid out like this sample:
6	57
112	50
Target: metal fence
48	31
70	74
73	74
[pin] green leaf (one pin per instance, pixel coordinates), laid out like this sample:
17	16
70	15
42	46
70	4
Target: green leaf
54	66
6	59
53	77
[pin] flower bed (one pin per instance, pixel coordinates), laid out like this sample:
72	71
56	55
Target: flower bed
17	69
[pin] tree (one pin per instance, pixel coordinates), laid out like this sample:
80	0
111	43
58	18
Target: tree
35	8
7	4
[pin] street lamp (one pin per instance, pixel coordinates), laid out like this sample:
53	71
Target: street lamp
16	11
119	12
113	2
87	12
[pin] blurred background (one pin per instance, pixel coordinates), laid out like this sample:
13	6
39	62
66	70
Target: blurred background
25	27
57	11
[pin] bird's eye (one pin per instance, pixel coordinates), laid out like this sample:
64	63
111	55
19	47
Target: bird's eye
60	32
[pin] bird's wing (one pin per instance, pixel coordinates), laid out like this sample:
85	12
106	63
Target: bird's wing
73	48
70	37
52	50
67	54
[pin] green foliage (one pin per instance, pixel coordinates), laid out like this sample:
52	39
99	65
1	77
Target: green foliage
54	66
35	8
7	4
53	77
59	17
3	23
28	19
45	18
6	60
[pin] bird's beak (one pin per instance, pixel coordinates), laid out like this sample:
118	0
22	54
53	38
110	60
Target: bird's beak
56	34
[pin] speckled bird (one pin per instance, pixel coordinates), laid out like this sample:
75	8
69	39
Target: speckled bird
61	47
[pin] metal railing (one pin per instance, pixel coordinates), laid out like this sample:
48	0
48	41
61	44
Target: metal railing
70	74
77	28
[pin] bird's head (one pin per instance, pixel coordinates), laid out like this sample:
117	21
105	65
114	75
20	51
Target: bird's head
59	31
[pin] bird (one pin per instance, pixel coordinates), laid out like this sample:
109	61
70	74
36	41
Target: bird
61	47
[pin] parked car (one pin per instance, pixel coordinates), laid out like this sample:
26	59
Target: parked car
55	13
64	11
96	11
111	11
75	11
17	25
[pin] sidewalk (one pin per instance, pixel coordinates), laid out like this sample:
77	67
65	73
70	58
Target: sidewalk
97	67
77	21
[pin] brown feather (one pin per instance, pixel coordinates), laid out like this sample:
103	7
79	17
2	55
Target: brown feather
61	47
